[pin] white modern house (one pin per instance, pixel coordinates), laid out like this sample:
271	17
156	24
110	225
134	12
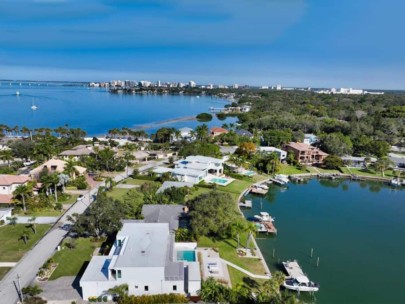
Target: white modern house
146	257
281	153
194	169
185	134
310	139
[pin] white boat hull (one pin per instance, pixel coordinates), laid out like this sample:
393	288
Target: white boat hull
300	288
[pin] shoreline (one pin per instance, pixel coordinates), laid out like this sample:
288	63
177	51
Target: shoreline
163	122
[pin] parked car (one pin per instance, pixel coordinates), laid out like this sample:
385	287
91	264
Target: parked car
80	198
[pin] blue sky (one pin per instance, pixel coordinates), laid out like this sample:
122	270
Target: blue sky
317	43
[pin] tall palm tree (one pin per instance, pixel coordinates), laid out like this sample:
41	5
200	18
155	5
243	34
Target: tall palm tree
383	164
202	132
7	156
70	168
128	157
22	191
33	224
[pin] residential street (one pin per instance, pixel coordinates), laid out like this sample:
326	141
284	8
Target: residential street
29	265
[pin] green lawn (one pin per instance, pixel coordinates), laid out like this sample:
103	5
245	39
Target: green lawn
227	251
51	212
73	261
117	193
289	170
12	247
238	277
368	172
135	181
71	200
3	271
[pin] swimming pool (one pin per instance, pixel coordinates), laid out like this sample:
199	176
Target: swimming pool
186	255
219	180
249	173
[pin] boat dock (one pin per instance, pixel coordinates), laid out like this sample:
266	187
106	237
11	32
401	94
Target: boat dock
258	190
246	204
269	226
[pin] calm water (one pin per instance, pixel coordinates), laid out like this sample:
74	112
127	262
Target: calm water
357	230
95	110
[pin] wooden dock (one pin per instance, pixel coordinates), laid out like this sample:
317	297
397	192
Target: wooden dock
258	190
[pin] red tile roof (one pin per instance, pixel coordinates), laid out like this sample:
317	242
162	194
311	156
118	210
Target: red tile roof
218	130
8	180
305	147
6	198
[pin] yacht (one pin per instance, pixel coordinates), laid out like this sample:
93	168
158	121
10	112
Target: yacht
282	179
264	217
296	279
396	182
17	93
33	106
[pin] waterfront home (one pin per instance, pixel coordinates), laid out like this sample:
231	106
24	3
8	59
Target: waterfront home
217	131
356	162
185	134
306	154
54	165
281	153
146	257
193	169
141	155
310	139
4	214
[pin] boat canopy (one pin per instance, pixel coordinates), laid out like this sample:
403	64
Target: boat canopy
302	279
264	214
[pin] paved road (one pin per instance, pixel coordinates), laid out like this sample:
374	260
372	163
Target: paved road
29	265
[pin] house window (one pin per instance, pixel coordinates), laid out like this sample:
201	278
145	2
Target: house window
146	288
174	287
119	274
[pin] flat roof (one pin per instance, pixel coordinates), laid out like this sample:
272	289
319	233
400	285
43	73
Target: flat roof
188	172
203	159
145	244
97	270
163	214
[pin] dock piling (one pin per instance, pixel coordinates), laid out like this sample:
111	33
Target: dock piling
312	252
274	251
317	262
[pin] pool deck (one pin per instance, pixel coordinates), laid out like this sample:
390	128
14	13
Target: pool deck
210	179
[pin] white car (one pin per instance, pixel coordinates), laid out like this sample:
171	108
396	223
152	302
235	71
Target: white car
80	198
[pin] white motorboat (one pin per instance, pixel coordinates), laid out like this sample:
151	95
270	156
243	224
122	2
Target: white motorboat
301	284
17	93
282	179
296	279
263	186
264	217
396	182
34	107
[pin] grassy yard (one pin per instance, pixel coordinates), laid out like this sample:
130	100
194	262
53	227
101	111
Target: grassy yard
73	261
288	170
227	251
3	271
117	193
71	200
12	246
367	172
45	212
238	277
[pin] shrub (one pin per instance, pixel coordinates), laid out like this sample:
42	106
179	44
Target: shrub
204	117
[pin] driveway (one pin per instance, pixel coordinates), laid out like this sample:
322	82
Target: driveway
65	288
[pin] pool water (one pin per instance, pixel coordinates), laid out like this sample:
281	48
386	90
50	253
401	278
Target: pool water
186	255
249	173
217	180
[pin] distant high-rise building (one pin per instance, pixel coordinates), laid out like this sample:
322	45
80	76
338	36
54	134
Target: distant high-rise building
235	86
192	84
278	87
210	86
158	84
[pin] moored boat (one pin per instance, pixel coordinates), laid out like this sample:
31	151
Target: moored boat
296	279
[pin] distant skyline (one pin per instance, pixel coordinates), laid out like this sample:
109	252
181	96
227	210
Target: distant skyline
301	43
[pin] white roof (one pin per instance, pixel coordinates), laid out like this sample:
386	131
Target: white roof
161	170
97	270
194	166
271	149
203	159
145	244
188	172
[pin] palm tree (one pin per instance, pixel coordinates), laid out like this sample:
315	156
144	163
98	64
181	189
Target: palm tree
70	169
202	132
54	178
128	157
22	191
63	180
12	220
110	182
25	235
238	227
251	230
33	225
383	164
7	155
